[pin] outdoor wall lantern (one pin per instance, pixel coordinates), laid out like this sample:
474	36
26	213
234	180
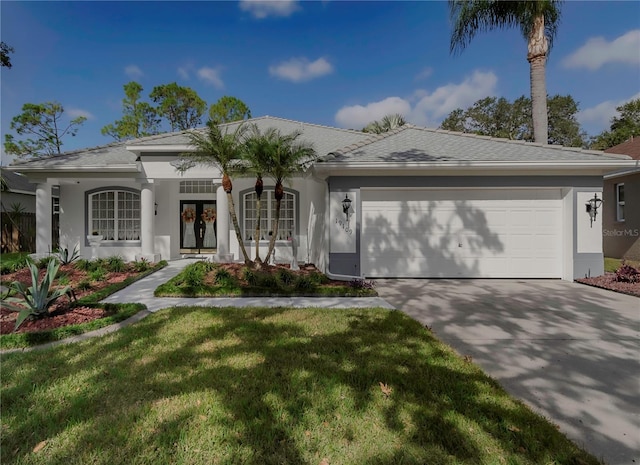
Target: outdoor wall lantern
346	206
156	207
592	207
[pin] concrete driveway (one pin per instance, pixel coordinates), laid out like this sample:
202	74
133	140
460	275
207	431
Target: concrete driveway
570	351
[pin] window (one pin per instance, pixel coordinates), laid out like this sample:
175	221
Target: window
620	202
196	187
287	223
114	214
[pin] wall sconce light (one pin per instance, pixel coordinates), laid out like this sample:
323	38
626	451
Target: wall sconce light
156	207
592	207
346	206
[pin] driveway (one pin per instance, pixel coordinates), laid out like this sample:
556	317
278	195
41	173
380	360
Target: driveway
570	351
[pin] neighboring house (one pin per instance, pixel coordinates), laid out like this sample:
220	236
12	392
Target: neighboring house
17	193
419	203
621	193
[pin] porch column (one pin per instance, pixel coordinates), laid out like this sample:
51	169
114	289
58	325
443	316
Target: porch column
43	218
222	226
147	222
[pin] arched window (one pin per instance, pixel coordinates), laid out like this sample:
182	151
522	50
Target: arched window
288	213
114	213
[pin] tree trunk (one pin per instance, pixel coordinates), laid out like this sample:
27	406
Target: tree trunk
538	47
236	226
259	187
274	232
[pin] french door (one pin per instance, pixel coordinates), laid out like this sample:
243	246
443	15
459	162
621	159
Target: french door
198	221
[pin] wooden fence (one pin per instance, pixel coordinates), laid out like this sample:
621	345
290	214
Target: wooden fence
19	232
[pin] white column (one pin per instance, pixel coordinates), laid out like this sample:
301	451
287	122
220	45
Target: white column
43	218
147	222
222	221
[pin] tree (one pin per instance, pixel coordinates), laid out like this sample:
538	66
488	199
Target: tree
5	59
288	156
386	124
44	121
259	147
223	150
139	119
228	109
623	127
181	106
497	117
537	20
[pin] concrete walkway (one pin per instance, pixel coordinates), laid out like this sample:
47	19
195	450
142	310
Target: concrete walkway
570	351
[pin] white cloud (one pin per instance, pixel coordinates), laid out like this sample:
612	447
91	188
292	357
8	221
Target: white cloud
75	112
424	73
301	69
261	9
211	76
428	109
358	116
597	52
598	118
133	71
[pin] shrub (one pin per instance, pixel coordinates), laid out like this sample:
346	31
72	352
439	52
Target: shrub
65	257
38	297
99	274
84	265
250	276
267	280
304	283
116	264
141	265
627	274
286	277
84	285
318	278
44	262
13	264
223	278
63	279
194	274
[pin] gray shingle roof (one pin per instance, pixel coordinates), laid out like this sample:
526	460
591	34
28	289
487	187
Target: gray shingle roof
17	182
412	144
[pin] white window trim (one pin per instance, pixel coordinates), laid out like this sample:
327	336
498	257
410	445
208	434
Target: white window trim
619	211
268	197
89	215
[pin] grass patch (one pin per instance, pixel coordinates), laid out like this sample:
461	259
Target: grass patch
612	264
117	313
10	262
266	386
196	280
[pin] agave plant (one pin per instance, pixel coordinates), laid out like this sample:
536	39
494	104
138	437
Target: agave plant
65	256
37	298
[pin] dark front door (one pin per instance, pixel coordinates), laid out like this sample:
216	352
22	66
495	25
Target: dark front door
198	226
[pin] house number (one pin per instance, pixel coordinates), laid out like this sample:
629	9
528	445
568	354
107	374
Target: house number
345	226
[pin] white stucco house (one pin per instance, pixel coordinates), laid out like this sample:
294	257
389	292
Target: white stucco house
421	203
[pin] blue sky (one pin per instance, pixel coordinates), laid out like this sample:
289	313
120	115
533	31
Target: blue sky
336	63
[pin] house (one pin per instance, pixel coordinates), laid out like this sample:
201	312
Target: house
621	213
18	194
413	202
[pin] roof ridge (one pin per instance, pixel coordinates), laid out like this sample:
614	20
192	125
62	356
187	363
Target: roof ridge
303	123
370	140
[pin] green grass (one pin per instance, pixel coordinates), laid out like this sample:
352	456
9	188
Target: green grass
266	386
191	282
116	313
612	264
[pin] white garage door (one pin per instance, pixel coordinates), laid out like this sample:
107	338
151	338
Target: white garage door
484	233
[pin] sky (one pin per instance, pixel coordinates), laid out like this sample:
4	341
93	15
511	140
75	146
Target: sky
336	63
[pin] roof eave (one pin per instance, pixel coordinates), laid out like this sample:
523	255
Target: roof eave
160	148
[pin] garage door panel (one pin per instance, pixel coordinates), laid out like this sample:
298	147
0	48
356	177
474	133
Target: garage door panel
462	233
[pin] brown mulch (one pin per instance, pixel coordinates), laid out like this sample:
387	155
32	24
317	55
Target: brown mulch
61	313
608	281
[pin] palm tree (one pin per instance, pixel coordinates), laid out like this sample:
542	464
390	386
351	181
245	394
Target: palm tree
258	149
288	157
538	21
386	124
224	151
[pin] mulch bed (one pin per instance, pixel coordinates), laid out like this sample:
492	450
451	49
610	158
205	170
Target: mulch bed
608	281
61	313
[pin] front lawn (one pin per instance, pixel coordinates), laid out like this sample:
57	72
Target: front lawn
266	386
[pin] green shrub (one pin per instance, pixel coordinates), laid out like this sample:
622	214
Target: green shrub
38	297
84	265
250	276
44	262
141	265
286	277
116	264
99	274
194	274
318	278
304	283
223	278
63	279
267	280
11	262
84	285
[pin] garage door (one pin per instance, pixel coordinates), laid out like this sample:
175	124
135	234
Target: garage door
485	233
